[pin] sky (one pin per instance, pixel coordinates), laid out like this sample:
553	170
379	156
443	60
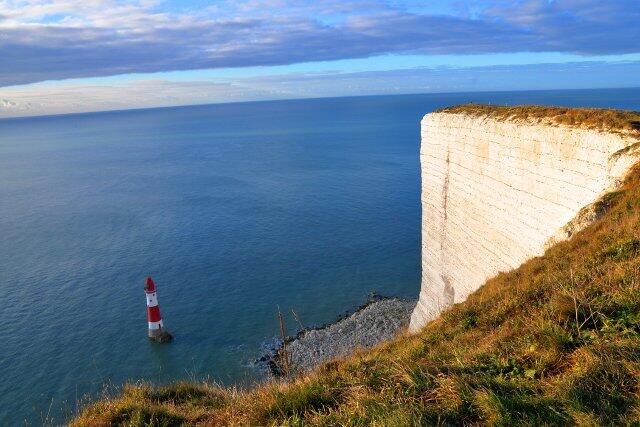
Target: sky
74	56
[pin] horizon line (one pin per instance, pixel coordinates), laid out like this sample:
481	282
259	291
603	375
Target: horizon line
122	110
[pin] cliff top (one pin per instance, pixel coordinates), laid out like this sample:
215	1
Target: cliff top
553	342
624	121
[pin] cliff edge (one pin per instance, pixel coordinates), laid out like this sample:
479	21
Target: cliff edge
501	184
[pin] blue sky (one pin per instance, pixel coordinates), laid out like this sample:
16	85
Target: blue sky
69	55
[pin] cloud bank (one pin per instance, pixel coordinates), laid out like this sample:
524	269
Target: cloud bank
43	40
56	99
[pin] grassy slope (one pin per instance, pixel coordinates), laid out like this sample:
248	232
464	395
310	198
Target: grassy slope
555	341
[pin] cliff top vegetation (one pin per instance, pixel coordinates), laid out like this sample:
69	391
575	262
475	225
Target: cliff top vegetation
553	342
590	118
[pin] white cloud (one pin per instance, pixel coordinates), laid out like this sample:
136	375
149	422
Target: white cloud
69	39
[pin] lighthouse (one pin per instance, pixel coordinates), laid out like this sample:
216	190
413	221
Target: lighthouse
156	327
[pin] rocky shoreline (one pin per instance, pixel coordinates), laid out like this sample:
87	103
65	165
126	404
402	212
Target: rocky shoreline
378	320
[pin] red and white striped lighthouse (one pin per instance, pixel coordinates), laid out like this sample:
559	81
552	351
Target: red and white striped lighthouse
156	327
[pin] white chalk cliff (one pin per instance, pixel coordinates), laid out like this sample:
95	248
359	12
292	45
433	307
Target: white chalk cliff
496	192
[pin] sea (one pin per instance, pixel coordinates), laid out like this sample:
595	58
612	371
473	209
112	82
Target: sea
237	211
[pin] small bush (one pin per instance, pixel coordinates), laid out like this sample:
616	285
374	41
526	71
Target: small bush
623	251
298	400
188	393
137	415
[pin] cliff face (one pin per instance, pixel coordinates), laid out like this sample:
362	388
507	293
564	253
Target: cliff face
496	191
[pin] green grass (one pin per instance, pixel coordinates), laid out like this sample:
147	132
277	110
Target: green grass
553	342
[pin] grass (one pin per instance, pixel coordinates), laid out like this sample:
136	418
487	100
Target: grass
553	342
591	118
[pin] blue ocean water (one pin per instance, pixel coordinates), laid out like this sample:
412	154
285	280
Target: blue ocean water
234	209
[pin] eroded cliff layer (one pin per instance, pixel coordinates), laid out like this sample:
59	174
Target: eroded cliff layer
499	183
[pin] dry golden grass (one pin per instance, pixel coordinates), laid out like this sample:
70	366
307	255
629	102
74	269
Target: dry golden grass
591	118
553	342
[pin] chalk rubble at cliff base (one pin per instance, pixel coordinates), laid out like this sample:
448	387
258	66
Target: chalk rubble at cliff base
376	322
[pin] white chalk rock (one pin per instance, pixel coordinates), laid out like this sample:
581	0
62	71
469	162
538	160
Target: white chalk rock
495	192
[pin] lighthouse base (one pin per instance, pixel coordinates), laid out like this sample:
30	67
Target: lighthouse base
160	336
